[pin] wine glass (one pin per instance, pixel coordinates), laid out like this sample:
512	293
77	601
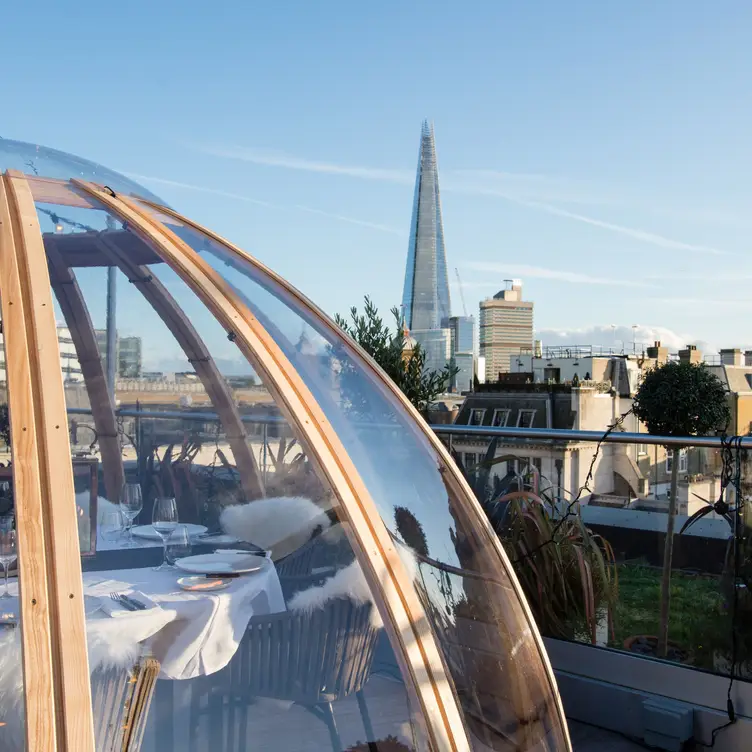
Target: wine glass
7	548
178	544
112	525
131	504
164	520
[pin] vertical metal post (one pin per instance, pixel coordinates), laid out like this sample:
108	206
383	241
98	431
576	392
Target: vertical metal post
111	331
264	438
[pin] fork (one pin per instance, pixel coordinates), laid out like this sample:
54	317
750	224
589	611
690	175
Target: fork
122	601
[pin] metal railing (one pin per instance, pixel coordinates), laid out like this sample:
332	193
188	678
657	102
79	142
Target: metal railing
453	429
571	436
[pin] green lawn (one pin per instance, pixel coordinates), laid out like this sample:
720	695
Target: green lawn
697	620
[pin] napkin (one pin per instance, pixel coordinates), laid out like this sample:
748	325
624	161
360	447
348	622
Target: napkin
113	608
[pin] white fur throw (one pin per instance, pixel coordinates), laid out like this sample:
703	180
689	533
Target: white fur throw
103	505
348	583
280	525
102	656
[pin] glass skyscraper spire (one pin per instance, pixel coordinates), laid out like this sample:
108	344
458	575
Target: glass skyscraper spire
425	300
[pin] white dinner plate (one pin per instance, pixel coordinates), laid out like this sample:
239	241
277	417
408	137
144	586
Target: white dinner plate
148	532
221	563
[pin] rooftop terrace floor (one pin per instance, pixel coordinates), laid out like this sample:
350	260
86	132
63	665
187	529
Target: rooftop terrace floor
285	728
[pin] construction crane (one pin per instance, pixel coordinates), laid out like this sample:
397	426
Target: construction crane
462	294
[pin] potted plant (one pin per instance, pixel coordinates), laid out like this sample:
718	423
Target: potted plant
567	572
676	399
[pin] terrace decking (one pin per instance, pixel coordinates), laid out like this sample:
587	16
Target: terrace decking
287	728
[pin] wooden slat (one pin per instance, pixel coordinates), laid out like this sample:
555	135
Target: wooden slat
58	192
67	624
78	321
402	612
27	489
200	358
460	488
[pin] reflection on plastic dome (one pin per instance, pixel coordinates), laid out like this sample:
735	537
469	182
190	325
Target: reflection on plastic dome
42	161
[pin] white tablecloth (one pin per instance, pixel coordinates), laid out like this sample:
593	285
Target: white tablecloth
191	634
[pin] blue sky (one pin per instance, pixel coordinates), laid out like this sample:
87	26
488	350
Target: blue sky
599	151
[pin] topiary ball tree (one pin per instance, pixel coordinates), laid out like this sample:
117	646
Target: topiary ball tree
679	399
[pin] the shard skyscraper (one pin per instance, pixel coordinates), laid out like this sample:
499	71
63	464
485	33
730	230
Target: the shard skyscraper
425	299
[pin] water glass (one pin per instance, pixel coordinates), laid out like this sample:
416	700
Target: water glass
131	504
178	544
7	548
164	520
112	525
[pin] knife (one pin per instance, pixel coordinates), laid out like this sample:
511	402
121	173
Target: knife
136	605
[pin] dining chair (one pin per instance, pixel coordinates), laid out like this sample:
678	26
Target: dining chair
322	556
120	703
312	659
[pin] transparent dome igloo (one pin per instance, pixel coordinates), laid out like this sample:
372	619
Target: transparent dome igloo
231	529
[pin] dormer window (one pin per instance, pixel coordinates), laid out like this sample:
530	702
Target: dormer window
525	418
476	417
500	418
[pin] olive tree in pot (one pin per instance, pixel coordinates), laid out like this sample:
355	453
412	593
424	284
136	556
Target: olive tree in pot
678	399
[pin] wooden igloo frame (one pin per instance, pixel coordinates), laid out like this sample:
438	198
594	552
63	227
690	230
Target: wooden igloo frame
57	688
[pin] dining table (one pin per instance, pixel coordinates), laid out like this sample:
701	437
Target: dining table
191	633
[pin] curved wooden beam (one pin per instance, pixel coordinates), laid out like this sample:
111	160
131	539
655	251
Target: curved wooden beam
78	321
450	472
200	358
71	682
27	489
401	610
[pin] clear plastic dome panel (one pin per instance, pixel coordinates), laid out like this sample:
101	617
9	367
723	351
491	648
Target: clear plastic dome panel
475	610
41	161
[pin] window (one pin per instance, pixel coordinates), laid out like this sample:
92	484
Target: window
476	417
470	460
525	418
682	460
500	418
537	464
642	449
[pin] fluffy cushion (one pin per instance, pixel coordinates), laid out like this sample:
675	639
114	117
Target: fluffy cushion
103	655
350	583
280	525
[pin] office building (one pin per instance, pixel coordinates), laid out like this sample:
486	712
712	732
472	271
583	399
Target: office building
506	327
425	299
69	364
129	357
462	347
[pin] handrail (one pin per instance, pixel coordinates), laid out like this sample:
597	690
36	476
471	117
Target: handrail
558	434
452	429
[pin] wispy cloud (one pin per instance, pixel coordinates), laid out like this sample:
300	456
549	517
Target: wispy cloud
609	336
560	275
706	303
280	159
351	220
647	237
267	204
530	190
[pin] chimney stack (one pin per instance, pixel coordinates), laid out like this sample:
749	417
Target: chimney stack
658	353
732	357
748	357
690	354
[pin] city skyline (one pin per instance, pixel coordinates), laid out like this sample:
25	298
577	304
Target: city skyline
596	152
